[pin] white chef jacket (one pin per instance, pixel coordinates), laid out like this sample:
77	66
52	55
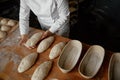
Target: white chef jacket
52	14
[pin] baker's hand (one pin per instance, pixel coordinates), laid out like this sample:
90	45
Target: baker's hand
46	34
23	39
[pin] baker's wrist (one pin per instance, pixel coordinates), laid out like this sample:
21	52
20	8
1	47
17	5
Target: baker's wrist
24	36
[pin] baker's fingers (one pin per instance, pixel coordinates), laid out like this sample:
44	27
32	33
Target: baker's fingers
29	47
21	42
43	36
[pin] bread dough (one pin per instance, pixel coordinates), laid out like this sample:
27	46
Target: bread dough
3	34
27	62
55	51
45	44
3	21
11	23
42	71
35	38
5	28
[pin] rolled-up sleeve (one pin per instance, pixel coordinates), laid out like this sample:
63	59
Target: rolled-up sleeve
24	18
63	10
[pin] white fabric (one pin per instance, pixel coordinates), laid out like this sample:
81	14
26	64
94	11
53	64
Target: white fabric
52	14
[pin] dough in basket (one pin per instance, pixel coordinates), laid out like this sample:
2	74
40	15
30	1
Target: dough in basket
3	34
3	21
11	23
5	28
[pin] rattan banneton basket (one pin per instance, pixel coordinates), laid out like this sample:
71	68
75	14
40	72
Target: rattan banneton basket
114	67
69	56
92	61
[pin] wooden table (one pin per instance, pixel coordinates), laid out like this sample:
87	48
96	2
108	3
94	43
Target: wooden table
11	54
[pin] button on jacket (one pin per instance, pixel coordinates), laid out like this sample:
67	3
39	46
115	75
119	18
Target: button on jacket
52	14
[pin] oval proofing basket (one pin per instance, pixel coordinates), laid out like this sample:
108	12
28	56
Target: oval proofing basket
92	61
69	56
114	67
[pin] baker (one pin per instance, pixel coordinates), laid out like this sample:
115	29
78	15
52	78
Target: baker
53	16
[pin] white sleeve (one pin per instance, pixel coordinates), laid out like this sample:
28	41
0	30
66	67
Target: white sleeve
63	10
24	17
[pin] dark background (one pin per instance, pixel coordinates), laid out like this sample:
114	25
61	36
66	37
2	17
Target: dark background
94	21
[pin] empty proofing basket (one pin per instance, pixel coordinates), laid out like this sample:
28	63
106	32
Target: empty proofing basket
114	67
69	56
92	61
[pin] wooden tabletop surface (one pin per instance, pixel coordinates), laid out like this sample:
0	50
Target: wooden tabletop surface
11	54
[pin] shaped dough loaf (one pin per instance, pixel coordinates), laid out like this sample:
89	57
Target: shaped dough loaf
42	71
11	23
55	51
3	34
27	62
3	21
5	28
45	44
33	40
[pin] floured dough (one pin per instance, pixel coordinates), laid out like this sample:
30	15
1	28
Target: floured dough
11	23
27	62
3	21
5	28
3	34
33	40
55	51
42	71
45	44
